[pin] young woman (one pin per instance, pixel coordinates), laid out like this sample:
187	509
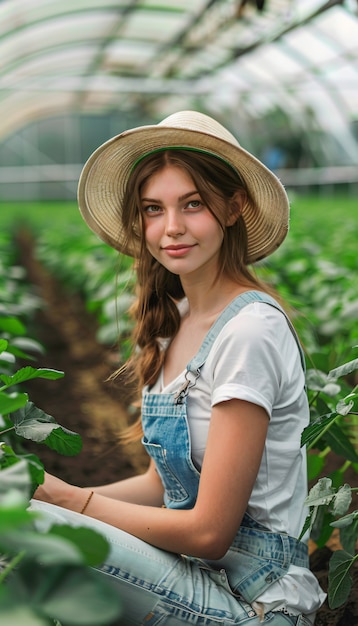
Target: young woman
208	535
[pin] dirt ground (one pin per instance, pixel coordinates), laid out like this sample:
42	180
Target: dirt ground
84	402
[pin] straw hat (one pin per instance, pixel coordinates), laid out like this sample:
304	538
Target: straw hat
105	175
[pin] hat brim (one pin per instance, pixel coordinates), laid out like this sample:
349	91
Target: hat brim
105	176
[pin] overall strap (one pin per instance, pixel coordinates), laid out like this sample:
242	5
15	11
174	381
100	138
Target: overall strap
232	309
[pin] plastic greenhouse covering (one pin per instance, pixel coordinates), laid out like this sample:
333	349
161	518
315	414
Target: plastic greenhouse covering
285	70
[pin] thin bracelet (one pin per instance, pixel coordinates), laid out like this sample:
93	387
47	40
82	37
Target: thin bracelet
87	502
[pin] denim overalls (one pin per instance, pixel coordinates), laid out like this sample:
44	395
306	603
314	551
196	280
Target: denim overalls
257	556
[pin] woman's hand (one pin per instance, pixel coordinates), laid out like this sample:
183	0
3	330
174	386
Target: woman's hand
57	491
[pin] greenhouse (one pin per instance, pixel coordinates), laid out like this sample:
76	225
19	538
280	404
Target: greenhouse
282	77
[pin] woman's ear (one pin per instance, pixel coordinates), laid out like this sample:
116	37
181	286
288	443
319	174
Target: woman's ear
236	205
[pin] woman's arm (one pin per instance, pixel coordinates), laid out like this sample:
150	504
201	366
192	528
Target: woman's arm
232	459
145	488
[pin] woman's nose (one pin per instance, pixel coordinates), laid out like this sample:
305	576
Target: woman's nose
174	223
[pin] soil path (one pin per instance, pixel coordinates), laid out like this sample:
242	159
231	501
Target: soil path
84	402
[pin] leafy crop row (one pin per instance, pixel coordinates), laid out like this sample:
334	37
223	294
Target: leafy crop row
103	278
44	576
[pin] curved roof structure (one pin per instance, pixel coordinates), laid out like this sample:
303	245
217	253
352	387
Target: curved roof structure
239	59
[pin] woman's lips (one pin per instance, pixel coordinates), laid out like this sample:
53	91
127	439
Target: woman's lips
177	250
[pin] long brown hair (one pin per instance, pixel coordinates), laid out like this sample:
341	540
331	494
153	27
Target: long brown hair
155	311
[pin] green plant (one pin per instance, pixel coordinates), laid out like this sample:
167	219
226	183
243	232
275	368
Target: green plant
334	411
45	576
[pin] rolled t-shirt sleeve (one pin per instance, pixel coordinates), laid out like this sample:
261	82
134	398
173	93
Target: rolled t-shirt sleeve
245	360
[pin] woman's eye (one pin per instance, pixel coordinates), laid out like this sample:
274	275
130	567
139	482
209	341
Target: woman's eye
151	209
194	204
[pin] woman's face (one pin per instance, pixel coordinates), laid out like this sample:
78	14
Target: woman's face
180	231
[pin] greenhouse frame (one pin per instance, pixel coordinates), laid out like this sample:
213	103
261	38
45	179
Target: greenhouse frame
282	74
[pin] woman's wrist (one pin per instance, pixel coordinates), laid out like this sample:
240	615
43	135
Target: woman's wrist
90	493
76	498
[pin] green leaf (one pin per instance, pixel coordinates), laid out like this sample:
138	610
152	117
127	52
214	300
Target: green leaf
7	456
12	325
15	476
315	465
3	345
315	379
318	499
28	373
319	381
321	529
343	370
344	406
30	414
342	500
339	579
306	526
11	518
34	429
321	493
345	521
35	467
331	389
90	600
25	344
33	423
64	441
6	449
93	546
10	402
15	613
340	444
7	357
349	535
43	548
322	407
20	354
71	595
315	430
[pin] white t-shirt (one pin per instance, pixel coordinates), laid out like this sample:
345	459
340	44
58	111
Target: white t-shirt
255	358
